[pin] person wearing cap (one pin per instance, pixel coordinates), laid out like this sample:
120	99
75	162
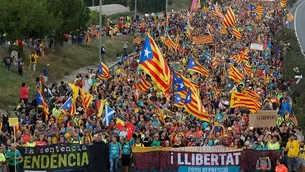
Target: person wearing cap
292	148
3	162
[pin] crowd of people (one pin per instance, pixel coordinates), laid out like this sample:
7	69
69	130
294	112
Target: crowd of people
158	122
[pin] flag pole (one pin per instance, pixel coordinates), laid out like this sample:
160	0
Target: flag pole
100	31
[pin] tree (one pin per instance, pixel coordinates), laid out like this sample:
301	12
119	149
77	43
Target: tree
73	15
25	18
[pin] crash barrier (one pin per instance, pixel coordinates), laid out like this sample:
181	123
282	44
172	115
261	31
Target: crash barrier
199	159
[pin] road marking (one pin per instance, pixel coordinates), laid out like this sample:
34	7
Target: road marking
295	26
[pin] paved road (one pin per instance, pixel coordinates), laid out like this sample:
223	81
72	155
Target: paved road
299	23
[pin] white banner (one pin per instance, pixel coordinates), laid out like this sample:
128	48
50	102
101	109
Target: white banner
256	46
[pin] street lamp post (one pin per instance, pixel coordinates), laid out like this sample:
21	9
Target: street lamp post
100	32
135	8
92	3
166	6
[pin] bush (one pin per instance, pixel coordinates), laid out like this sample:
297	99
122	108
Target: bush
294	58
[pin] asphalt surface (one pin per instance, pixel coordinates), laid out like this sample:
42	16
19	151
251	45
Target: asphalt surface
299	23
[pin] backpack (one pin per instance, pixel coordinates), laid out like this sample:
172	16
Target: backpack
33	58
7	61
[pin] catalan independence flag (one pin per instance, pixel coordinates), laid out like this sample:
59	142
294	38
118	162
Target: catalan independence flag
153	63
223	29
290	19
236	33
143	85
191	106
196	67
235	75
41	103
229	19
215	10
258	9
103	71
203	39
241	100
178	101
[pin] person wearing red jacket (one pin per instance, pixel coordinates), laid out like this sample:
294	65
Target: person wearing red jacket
24	93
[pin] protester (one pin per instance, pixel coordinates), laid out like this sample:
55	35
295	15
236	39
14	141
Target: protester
24	93
115	150
33	61
3	162
7	61
45	73
153	118
280	167
13	157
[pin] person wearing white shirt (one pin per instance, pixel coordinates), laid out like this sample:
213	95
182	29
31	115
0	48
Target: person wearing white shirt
87	83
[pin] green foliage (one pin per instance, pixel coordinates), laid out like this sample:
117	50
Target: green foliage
25	18
95	18
36	18
294	58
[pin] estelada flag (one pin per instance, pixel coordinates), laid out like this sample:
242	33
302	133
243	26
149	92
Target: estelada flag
153	63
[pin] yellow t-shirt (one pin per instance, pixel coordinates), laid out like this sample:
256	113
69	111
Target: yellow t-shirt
2	157
293	148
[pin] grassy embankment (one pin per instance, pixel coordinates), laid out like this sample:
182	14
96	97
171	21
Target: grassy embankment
62	62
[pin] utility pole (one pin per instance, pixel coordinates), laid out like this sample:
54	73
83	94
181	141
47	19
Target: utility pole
166	6
92	3
135	8
100	32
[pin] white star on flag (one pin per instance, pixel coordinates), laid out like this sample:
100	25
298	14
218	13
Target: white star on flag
147	52
188	98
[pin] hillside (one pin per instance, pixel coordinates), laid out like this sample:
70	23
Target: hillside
62	62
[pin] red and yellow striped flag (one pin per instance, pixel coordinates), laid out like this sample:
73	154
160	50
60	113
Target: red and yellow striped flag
237	59
223	30
235	75
86	99
252	94
103	71
236	33
241	100
137	40
168	42
194	66
191	106
203	39
247	69
214	63
142	84
229	19
153	63
259	10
